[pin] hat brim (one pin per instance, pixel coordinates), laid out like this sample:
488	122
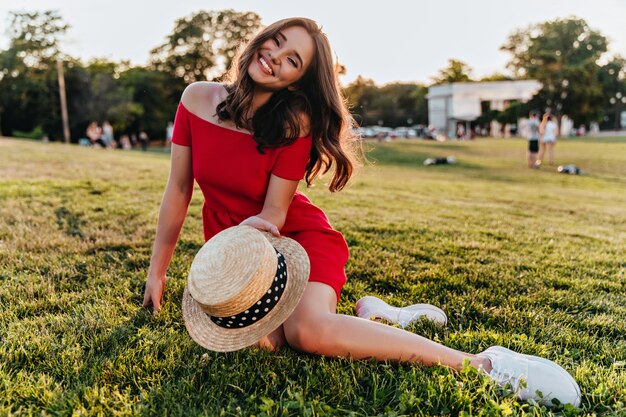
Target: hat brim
213	337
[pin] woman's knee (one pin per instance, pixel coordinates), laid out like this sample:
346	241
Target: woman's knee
310	326
311	334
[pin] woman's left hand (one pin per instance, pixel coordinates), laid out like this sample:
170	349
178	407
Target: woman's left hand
261	224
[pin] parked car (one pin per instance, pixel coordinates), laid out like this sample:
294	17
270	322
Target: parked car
366	132
405	132
426	132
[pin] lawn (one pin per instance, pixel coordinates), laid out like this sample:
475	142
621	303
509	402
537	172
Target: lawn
529	259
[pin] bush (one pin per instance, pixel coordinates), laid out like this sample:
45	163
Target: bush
36	133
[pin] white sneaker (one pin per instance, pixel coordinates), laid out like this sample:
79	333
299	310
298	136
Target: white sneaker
368	307
543	379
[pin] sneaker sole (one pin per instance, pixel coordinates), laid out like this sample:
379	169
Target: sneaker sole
549	362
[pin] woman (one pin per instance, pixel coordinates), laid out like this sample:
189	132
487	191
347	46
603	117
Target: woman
548	132
281	118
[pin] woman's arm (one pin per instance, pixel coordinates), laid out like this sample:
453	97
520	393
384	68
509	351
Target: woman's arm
172	214
280	192
542	127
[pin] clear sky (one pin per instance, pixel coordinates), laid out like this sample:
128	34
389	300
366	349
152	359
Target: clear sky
389	40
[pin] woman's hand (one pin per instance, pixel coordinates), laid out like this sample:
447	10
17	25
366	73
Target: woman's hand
155	286
261	224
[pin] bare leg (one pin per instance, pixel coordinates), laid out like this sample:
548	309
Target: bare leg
551	153
542	151
315	328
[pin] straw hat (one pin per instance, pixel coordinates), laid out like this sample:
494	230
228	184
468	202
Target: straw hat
242	285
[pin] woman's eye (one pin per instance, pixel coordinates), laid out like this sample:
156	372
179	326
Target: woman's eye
276	41
293	62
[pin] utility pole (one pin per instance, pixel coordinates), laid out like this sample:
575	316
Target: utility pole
66	124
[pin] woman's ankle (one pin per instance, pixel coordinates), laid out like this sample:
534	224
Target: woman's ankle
480	362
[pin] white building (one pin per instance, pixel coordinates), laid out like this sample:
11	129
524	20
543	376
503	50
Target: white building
449	104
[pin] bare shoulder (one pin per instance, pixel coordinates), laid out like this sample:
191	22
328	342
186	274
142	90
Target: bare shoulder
202	97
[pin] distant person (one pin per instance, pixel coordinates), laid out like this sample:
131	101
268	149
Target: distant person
533	139
144	140
547	131
169	131
507	131
460	131
125	142
107	134
94	134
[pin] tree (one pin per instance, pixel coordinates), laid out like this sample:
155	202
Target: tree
359	94
152	106
496	76
95	93
130	98
562	55
419	96
203	45
456	71
34	41
612	77
399	104
396	104
29	92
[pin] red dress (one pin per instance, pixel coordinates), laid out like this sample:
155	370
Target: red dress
234	177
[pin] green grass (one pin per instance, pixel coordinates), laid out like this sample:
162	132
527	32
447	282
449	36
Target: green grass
532	260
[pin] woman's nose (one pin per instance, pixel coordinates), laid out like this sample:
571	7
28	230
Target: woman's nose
274	56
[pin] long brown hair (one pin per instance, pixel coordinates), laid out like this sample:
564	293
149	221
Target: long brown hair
317	95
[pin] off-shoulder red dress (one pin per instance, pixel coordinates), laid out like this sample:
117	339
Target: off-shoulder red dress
234	177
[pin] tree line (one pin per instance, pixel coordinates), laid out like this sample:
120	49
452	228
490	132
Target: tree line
131	98
565	55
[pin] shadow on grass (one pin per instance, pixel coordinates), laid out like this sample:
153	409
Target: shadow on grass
71	223
142	343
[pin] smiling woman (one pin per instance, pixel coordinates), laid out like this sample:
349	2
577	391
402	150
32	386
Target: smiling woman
281	118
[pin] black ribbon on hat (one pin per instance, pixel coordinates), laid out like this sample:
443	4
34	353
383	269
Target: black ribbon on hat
263	306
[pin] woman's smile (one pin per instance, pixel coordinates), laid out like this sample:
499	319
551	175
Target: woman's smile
265	67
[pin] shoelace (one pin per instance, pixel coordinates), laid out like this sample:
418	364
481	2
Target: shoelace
405	317
504	377
399	315
394	314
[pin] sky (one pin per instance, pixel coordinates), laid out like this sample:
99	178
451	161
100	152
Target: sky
387	41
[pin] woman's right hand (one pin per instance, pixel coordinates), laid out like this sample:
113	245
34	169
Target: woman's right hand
155	286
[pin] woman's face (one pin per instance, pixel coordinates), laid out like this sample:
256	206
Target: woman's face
282	60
